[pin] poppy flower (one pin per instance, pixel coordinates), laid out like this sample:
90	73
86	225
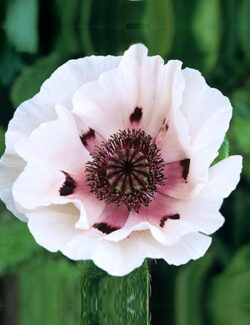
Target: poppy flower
111	161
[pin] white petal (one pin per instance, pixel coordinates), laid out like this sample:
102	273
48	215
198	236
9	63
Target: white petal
224	176
10	167
173	138
171	234
121	258
203	209
173	231
53	148
192	246
136	95
208	113
52	227
56	144
58	89
117	259
37	186
91	207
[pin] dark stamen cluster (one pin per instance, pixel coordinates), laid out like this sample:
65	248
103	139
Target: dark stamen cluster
126	169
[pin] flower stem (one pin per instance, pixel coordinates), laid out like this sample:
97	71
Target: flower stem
114	300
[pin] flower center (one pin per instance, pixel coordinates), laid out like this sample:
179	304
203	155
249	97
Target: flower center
126	169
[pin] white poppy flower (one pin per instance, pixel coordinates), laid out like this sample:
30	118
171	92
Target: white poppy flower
110	161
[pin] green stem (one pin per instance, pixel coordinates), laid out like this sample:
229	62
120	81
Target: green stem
114	300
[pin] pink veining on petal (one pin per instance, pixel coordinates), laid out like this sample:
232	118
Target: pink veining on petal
160	208
167	141
75	187
154	218
112	218
177	183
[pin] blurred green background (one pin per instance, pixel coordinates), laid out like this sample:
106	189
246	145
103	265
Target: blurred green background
213	36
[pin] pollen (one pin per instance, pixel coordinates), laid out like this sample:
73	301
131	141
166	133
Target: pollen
126	170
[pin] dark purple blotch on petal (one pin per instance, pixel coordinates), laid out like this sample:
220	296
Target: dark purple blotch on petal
175	216
105	228
185	167
166	127
86	136
68	186
136	115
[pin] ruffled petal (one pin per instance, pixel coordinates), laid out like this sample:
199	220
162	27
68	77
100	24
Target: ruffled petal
56	144
190	247
136	95
53	226
203	209
173	138
122	257
91	208
224	176
10	167
208	113
37	186
56	172
58	89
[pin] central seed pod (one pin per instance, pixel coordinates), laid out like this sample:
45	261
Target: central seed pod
126	169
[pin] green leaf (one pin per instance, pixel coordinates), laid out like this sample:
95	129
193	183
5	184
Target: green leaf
21	25
29	83
229	294
190	285
223	151
114	300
